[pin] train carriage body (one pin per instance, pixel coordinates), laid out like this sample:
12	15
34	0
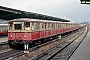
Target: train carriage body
22	31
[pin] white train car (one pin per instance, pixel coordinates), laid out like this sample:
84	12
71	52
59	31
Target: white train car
3	27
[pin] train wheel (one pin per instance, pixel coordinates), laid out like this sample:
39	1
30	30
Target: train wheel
12	46
37	42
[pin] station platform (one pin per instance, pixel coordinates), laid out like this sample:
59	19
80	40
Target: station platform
3	39
83	51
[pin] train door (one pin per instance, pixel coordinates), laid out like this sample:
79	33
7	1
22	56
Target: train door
17	27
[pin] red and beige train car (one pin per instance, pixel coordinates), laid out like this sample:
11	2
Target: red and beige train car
30	31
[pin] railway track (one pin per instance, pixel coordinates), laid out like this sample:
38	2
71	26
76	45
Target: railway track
3	43
66	53
18	53
41	50
9	55
4	47
52	52
6	51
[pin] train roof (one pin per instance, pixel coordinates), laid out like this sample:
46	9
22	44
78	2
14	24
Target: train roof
39	20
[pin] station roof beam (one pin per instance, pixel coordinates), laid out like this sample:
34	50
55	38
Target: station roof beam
9	14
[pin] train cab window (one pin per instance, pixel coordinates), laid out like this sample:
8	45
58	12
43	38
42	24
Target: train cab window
17	25
27	25
10	25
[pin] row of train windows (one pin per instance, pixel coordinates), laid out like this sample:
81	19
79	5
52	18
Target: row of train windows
43	26
47	26
37	26
34	26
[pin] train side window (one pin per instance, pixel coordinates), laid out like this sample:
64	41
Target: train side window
43	25
66	25
69	25
32	25
37	26
63	25
48	25
59	25
55	25
10	25
27	25
52	25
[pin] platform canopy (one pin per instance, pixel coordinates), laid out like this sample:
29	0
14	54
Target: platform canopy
9	13
85	1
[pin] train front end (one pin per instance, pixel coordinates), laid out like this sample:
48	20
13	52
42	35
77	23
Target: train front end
17	33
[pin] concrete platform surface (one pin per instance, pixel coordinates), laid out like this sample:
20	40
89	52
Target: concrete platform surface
83	51
3	39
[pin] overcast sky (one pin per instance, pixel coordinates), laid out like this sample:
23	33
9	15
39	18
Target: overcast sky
70	9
